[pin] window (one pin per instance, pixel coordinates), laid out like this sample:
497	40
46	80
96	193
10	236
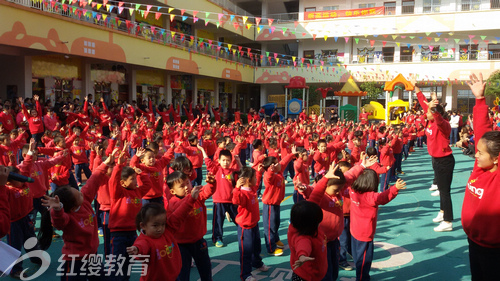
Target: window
494	4
388	53
408	7
310	9
465	101
406	54
330	8
471	5
309	54
329	55
430	53
494	51
365	55
390	8
468	52
432	6
367	5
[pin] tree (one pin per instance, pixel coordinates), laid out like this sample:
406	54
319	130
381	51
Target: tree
314	97
372	89
493	85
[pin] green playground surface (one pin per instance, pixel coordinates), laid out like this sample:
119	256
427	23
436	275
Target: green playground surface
406	246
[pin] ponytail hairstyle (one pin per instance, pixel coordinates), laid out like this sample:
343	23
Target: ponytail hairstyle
148	212
66	197
245	172
366	182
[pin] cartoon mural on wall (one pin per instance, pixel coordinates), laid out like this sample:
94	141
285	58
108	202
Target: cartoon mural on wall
19	37
232	74
265	35
267	77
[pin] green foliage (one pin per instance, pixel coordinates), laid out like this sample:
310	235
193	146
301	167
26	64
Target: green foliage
314	97
493	85
372	89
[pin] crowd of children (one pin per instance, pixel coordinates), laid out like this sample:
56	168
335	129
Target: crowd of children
143	173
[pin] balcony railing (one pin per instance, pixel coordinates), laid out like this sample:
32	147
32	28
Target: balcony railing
231	7
147	32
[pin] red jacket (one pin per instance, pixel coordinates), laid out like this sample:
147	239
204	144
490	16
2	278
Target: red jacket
302	170
78	155
248	205
438	137
50	122
155	173
322	161
4	211
224	177
275	183
21	198
125	203
364	211
39	173
35	123
7	122
193	154
309	246
481	201
80	228
165	261
195	225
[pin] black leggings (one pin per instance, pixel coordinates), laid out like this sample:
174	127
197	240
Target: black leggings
483	262
443	174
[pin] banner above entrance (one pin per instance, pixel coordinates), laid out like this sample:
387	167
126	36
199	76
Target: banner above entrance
321	15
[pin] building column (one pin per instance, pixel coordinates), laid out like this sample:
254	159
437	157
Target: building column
87	83
132	85
263	94
449	97
168	89
348	50
216	92
27	87
195	91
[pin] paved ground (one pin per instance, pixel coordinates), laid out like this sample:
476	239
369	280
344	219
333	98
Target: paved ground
406	247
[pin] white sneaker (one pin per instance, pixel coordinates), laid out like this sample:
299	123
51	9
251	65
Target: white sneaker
433	187
439	217
250	278
263	268
444	226
435	193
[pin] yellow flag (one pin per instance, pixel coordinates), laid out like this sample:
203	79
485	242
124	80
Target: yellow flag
99	6
293	58
104	16
397	43
245	18
229	46
277	60
170	10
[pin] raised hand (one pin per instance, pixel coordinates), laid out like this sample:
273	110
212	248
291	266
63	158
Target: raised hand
400	184
51	202
477	85
210	178
195	192
140	152
331	172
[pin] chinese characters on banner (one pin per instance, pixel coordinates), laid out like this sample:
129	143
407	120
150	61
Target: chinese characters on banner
344	13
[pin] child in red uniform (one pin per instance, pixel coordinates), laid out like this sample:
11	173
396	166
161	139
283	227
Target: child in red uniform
245	196
125	192
194	154
190	235
157	238
364	207
301	166
307	242
80	160
482	195
34	118
274	194
71	211
322	158
4	203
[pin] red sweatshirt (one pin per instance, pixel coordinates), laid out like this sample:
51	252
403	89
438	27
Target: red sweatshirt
165	261
78	155
21	198
35	123
195	226
4	211
364	211
7	122
275	184
125	203
193	154
7	151
154	173
224	177
248	205
322	161
481	206
302	170
103	192
309	246
386	156
80	227
258	157
438	137
38	172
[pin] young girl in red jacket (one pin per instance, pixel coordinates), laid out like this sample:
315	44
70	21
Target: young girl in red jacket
34	118
71	211
481	207
364	207
245	196
308	253
157	238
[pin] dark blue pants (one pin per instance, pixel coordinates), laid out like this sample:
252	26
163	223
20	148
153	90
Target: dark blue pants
249	246
313	174
363	256
420	141
332	254
37	208
243	157
406	150
78	171
271	223
384	181
20	231
219	215
372	143
158	200
345	241
199	177
454	136
297	197
289	169
77	270
259	191
397	164
199	252
105	231
120	240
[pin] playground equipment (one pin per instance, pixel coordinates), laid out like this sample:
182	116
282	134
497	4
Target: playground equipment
322	102
350	89
297	82
393	115
348	112
389	87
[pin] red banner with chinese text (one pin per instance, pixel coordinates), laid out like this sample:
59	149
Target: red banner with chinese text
320	15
